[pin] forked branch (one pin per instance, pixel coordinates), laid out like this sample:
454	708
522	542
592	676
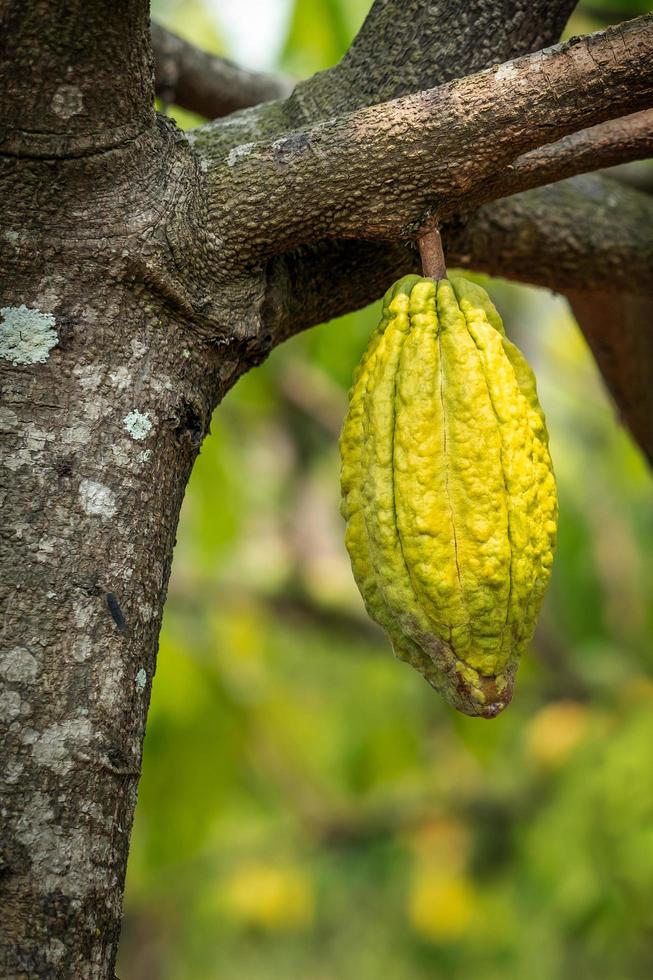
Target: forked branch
406	46
387	170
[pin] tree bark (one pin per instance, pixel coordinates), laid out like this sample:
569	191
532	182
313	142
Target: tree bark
408	46
620	140
555	237
385	171
86	84
101	420
617	328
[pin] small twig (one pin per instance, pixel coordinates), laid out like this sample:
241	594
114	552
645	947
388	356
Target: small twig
627	138
432	255
206	84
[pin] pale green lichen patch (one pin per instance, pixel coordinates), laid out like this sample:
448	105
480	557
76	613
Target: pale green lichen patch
18	666
54	746
141	680
67	101
239	151
26	335
138	424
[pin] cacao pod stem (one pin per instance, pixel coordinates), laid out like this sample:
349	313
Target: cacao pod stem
432	255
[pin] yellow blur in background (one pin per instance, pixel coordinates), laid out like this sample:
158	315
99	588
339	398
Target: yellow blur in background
268	897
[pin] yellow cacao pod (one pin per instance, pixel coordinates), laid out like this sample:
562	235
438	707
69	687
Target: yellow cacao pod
448	490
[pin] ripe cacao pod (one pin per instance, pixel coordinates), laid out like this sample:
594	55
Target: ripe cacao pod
448	490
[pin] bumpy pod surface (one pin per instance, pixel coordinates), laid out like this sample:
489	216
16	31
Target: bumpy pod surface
448	490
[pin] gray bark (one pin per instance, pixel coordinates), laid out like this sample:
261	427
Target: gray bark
124	321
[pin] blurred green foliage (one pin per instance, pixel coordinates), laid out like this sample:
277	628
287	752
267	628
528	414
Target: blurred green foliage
309	808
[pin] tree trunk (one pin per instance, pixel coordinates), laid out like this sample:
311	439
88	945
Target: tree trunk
104	404
110	367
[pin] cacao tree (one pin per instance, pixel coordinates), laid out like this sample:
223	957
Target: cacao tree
144	270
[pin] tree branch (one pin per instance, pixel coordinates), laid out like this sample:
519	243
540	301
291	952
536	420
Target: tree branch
589	237
613	142
429	44
205	83
407	46
581	234
381	172
617	328
585	233
440	40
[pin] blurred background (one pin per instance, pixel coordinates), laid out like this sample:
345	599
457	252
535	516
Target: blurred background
309	808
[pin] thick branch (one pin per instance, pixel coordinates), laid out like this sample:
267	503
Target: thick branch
586	233
75	77
582	236
381	172
406	46
618	329
206	84
439	40
428	44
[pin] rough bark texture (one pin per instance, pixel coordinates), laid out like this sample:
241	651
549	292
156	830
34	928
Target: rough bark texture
627	138
381	171
71	96
123	323
579	234
408	45
445	38
106	397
